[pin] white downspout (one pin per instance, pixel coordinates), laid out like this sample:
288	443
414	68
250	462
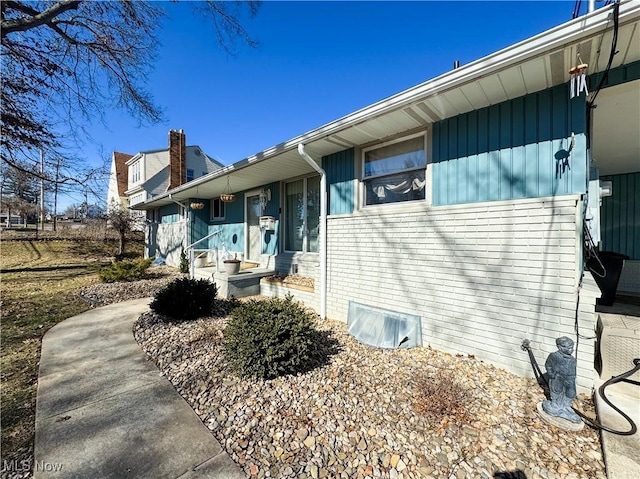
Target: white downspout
591	6
323	229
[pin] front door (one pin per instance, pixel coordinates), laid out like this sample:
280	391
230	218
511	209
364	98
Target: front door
254	232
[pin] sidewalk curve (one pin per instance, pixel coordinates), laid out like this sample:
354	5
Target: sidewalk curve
104	411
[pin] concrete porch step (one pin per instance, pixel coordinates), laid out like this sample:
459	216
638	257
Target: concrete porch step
245	283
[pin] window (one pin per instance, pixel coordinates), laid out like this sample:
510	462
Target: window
135	199
395	171
302	214
190	174
135	172
217	209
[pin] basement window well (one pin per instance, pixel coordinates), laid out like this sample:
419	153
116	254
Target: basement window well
382	328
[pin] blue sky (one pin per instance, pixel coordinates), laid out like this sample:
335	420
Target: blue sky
316	62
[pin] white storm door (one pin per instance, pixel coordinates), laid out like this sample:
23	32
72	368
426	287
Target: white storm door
254	232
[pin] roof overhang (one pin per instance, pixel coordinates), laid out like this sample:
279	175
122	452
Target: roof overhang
535	64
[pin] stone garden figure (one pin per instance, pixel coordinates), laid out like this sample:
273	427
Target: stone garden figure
561	371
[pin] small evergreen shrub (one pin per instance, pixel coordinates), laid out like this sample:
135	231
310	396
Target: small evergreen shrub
124	270
185	299
270	338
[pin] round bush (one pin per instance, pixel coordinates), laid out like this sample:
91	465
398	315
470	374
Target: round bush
124	270
270	338
185	299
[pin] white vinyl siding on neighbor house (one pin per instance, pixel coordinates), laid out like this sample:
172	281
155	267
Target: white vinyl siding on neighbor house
217	209
302	214
395	171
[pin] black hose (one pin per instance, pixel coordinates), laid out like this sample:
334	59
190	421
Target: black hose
613	380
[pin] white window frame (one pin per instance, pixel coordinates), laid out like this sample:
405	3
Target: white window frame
212	216
364	178
305	239
135	172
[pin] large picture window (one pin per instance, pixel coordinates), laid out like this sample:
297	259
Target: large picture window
395	172
302	210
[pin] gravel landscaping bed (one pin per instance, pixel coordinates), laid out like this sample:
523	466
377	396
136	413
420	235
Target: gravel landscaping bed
102	294
355	416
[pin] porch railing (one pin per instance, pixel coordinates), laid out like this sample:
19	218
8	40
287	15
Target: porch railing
192	252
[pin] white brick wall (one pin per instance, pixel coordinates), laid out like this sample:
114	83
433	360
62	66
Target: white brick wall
170	238
630	277
311	299
483	276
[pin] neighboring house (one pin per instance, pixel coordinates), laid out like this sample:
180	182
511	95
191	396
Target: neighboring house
463	200
151	173
118	180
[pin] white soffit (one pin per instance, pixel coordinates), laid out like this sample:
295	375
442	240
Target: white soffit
534	73
459	101
513	82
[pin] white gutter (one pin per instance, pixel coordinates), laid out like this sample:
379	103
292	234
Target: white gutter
323	229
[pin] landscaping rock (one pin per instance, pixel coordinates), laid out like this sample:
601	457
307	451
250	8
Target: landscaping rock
354	416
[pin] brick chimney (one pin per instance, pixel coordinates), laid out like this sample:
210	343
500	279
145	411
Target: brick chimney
177	158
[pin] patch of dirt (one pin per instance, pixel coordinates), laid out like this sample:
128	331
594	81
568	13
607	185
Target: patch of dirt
291	279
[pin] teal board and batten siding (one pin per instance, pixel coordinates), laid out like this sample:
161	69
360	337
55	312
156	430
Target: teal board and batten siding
170	214
231	228
515	149
340	170
200	221
620	215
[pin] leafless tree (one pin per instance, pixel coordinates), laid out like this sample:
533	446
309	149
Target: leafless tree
123	221
65	62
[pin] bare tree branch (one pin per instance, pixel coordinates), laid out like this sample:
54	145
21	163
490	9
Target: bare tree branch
36	18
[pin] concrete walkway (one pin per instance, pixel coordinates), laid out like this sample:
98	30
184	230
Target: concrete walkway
104	411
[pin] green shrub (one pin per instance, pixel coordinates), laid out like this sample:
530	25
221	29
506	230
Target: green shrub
185	299
270	338
124	270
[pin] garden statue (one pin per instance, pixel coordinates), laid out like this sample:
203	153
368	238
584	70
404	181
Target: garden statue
561	372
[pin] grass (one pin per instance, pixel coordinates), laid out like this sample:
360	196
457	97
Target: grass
39	287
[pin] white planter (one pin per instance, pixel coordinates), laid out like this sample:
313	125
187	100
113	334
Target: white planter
232	267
